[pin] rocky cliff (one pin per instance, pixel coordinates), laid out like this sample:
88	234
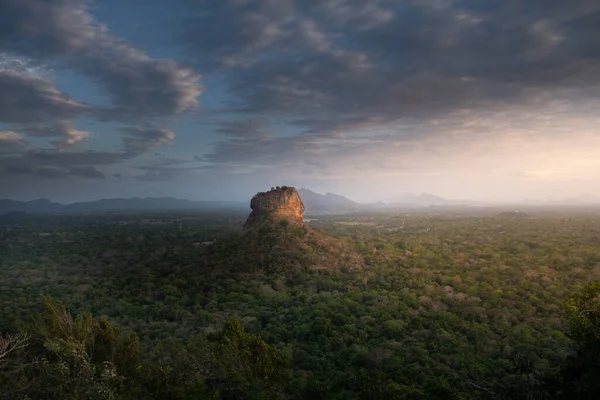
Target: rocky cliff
281	203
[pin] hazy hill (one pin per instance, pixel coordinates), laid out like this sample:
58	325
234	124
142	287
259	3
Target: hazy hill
424	199
41	206
584	200
329	202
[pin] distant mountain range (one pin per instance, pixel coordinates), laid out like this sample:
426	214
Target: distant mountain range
332	203
314	202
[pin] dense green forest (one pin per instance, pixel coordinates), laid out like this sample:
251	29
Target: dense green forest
408	306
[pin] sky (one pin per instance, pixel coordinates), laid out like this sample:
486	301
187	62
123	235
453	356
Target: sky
219	99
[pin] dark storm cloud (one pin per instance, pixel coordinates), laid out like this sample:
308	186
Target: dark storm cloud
140	87
350	61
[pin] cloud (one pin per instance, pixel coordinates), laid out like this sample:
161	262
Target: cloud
11	142
247	128
70	159
61	129
27	165
35	107
51	172
475	149
64	30
37	37
17	157
168	169
87	171
141	140
54	172
29	99
348	62
327	154
17	169
150	176
383	91
24	66
234	33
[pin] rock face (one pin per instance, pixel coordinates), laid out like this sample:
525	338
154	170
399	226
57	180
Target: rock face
282	203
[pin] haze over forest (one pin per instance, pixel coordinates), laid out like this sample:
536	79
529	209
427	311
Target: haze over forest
214	100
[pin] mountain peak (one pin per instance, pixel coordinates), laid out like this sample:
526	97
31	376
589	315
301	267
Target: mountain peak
329	202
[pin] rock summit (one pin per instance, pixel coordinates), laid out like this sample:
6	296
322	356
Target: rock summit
276	205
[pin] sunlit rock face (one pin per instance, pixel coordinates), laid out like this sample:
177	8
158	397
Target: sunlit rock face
282	203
